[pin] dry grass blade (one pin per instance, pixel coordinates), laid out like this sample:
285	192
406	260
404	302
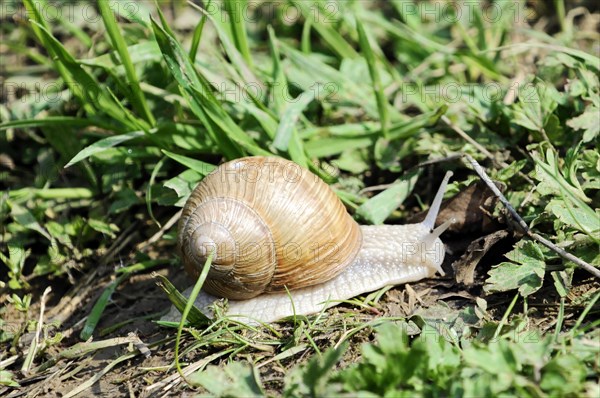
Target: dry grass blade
35	344
93	380
176	378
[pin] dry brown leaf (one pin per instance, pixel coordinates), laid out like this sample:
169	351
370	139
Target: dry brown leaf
464	267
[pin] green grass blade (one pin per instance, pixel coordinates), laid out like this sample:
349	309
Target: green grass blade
81	83
305	41
104	144
225	132
197	36
310	73
99	307
286	137
326	29
237	10
137	96
155	171
58	121
196	165
382	102
139	53
143	266
379	207
279	83
236	58
189	305
412	126
325	147
197	92
51	193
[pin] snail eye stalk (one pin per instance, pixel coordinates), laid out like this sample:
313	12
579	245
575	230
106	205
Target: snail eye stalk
429	221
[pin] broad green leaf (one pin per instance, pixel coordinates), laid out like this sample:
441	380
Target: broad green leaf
314	378
7	379
124	200
103	227
16	258
353	161
536	103
564	375
495	358
183	185
576	217
576	210
235	380
24	218
525	272
588	121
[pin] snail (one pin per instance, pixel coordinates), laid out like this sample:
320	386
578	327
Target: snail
284	244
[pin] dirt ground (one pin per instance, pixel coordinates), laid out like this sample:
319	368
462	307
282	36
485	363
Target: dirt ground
154	375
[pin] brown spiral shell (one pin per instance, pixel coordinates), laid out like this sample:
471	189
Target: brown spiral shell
272	224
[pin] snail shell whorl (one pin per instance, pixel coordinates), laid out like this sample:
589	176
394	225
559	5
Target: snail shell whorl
273	225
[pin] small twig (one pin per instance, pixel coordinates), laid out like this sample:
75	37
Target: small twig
471	141
174	379
567	256
437	160
161	232
480	147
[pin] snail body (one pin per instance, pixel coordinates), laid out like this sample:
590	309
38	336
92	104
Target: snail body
283	243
